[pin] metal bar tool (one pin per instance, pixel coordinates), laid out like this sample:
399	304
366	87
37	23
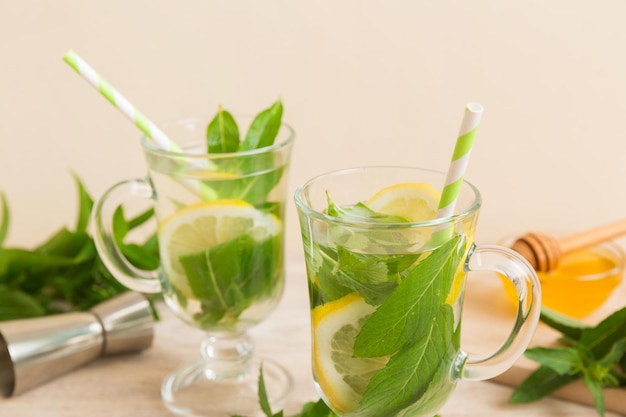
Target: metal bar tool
34	351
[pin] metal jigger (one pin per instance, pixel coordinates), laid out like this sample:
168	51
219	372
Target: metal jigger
33	351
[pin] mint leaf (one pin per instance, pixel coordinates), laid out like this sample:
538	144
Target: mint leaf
615	354
316	409
263	400
4	221
595	387
264	128
228	277
16	304
413	304
322	277
338	272
64	273
222	134
85	205
408	374
597	355
365	274
601	338
568	326
541	383
360	212
375	241
563	360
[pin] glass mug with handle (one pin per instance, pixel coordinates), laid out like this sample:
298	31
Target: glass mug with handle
386	284
221	242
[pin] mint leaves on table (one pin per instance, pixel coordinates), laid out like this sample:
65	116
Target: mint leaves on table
65	273
310	409
597	355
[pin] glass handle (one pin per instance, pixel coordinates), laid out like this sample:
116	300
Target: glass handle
517	270
136	279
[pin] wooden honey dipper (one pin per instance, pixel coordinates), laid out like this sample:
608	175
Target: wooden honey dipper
545	252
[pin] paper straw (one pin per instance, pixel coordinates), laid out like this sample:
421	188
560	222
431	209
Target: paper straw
460	158
142	122
120	102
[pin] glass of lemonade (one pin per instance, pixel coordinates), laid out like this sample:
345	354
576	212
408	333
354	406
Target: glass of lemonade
386	281
221	241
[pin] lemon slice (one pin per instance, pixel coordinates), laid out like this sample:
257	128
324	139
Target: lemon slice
200	226
341	376
414	201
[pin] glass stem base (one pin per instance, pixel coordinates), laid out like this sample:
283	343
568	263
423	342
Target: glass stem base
224	382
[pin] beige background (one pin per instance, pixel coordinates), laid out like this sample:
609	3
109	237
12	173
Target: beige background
363	82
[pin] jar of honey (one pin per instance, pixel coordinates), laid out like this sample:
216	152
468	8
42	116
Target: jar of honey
583	281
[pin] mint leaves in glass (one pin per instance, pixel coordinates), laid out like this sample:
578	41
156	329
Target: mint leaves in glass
386	282
220	206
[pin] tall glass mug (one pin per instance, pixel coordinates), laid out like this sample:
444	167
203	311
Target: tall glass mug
386	290
221	236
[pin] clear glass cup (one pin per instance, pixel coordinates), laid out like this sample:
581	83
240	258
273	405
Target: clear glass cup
221	245
386	296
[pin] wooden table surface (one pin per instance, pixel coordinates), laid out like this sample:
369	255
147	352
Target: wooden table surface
129	385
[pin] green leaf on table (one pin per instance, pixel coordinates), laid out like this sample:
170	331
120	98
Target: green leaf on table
413	303
316	409
84	208
600	350
595	387
541	383
406	377
264	401
601	338
568	326
264	128
64	272
16	304
4	220
615	354
563	360
222	134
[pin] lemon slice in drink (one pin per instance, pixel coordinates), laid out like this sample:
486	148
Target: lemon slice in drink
200	226
414	201
341	376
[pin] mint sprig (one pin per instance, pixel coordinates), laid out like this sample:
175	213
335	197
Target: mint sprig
223	136
595	355
65	273
310	409
254	174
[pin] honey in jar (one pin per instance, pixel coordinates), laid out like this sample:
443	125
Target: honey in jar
583	281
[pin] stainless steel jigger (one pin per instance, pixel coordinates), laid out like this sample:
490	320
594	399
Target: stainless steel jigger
33	351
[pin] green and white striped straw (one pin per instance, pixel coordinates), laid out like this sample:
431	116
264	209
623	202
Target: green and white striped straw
120	102
142	122
460	158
